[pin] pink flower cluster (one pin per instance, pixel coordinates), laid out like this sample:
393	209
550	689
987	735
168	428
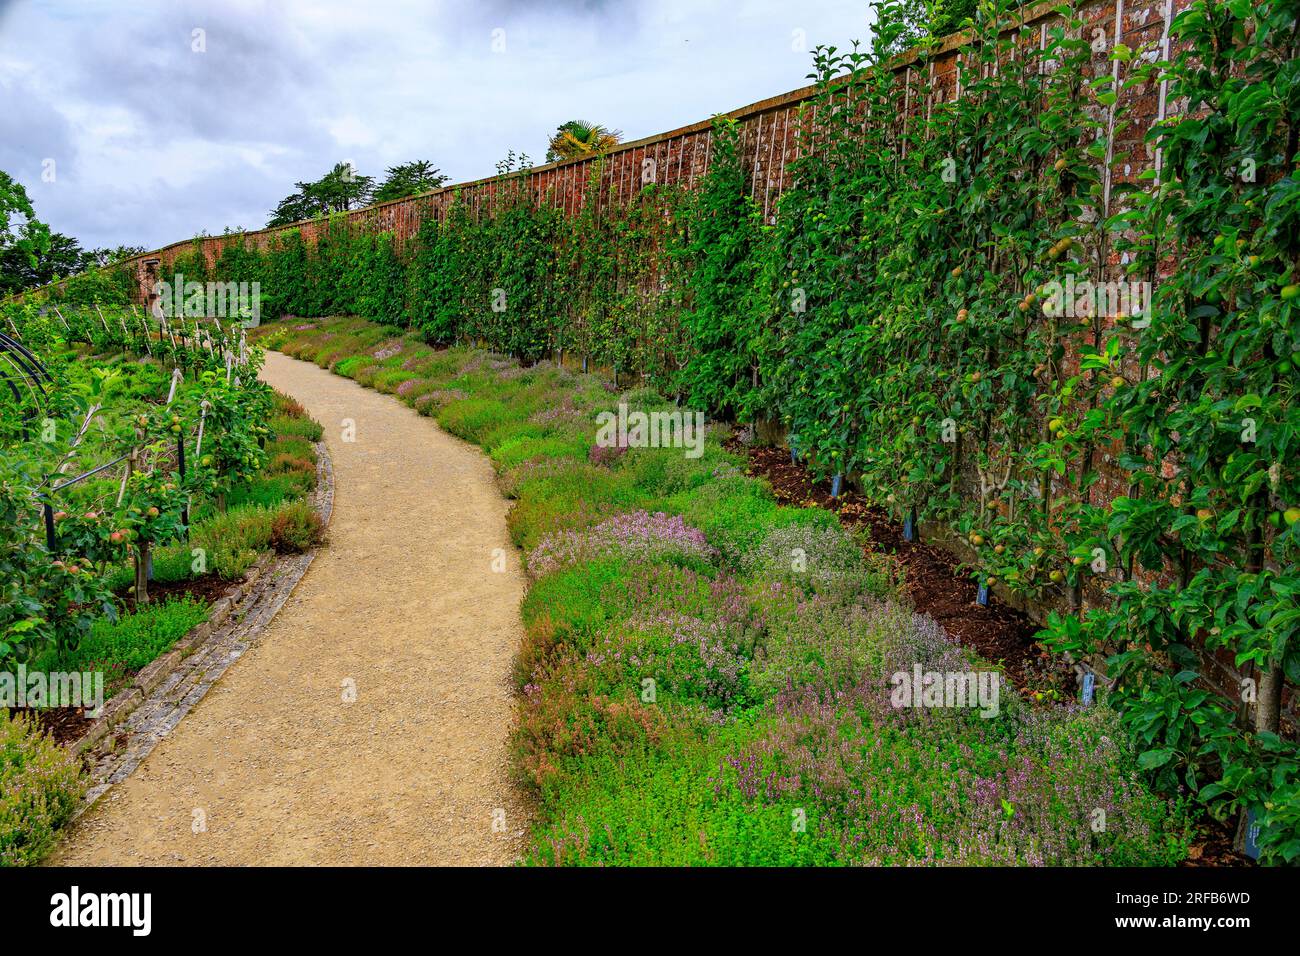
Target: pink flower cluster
606	455
440	397
636	534
565	410
723	650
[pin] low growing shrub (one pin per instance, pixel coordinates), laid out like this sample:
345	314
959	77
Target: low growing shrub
295	527
121	647
40	787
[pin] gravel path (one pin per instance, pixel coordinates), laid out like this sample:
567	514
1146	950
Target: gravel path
275	765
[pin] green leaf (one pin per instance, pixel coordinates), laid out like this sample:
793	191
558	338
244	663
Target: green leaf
1154	759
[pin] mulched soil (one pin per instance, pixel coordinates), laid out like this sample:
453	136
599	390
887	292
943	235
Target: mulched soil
209	588
1212	846
938	588
66	724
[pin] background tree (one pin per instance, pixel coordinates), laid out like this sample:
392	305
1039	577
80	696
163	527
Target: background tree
32	255
343	188
340	189
22	236
30	263
106	256
580	138
922	19
409	179
294	208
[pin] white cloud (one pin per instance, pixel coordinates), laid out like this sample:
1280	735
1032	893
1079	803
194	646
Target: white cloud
350	131
156	143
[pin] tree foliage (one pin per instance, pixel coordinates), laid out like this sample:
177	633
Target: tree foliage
581	138
340	189
409	179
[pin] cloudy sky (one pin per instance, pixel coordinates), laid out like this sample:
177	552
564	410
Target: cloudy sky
150	121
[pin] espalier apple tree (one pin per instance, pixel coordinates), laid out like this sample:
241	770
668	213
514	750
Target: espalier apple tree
235	432
47	600
151	515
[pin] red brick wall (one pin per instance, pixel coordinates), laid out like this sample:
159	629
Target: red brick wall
767	136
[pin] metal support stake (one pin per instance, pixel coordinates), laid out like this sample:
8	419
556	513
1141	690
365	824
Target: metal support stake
51	541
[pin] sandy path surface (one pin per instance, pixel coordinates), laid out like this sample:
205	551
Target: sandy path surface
404	602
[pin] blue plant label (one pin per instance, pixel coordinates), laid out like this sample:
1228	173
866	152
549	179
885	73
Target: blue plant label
983	596
1252	835
835	486
909	529
1089	688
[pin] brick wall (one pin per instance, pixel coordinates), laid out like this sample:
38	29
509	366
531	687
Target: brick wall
767	130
